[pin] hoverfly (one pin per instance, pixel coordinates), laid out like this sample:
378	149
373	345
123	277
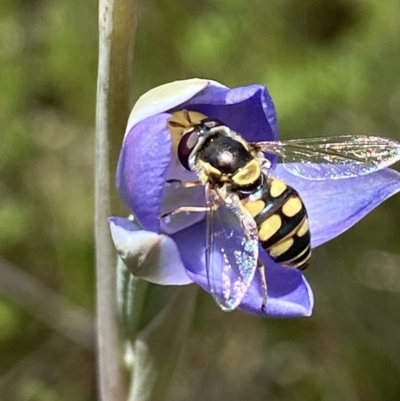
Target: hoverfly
246	206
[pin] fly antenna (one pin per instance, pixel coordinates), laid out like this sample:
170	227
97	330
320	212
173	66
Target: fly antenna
187	116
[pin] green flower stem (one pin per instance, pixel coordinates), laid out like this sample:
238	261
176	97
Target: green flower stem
117	26
157	347
157	321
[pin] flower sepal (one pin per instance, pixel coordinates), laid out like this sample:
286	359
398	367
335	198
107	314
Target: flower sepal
148	255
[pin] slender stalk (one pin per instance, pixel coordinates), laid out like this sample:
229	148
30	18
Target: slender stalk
117	26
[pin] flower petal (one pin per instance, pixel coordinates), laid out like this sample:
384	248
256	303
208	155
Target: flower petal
165	97
335	205
248	110
142	168
289	294
148	255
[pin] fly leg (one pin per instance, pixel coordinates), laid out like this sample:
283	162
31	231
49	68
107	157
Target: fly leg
261	268
185	209
187	184
182	184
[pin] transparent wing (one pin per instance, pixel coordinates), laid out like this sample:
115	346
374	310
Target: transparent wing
231	249
334	157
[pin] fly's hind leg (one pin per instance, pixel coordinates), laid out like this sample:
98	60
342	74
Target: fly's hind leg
261	268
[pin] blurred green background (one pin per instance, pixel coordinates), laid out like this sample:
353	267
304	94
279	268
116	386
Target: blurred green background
332	67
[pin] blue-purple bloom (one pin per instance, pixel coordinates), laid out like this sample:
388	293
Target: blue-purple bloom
173	253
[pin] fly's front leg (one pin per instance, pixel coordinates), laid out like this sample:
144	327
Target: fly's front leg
185	209
187	184
261	268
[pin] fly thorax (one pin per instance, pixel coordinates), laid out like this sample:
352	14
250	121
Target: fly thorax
225	155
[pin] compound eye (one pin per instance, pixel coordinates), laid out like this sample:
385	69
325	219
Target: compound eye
186	146
212	122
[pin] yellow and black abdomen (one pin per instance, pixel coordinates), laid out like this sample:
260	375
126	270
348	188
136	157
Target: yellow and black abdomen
282	224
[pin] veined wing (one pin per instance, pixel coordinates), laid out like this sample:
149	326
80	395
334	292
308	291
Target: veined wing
231	249
334	157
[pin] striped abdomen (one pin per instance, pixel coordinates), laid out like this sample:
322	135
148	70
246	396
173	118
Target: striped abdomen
282	224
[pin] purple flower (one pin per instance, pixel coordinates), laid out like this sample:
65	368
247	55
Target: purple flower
173	253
